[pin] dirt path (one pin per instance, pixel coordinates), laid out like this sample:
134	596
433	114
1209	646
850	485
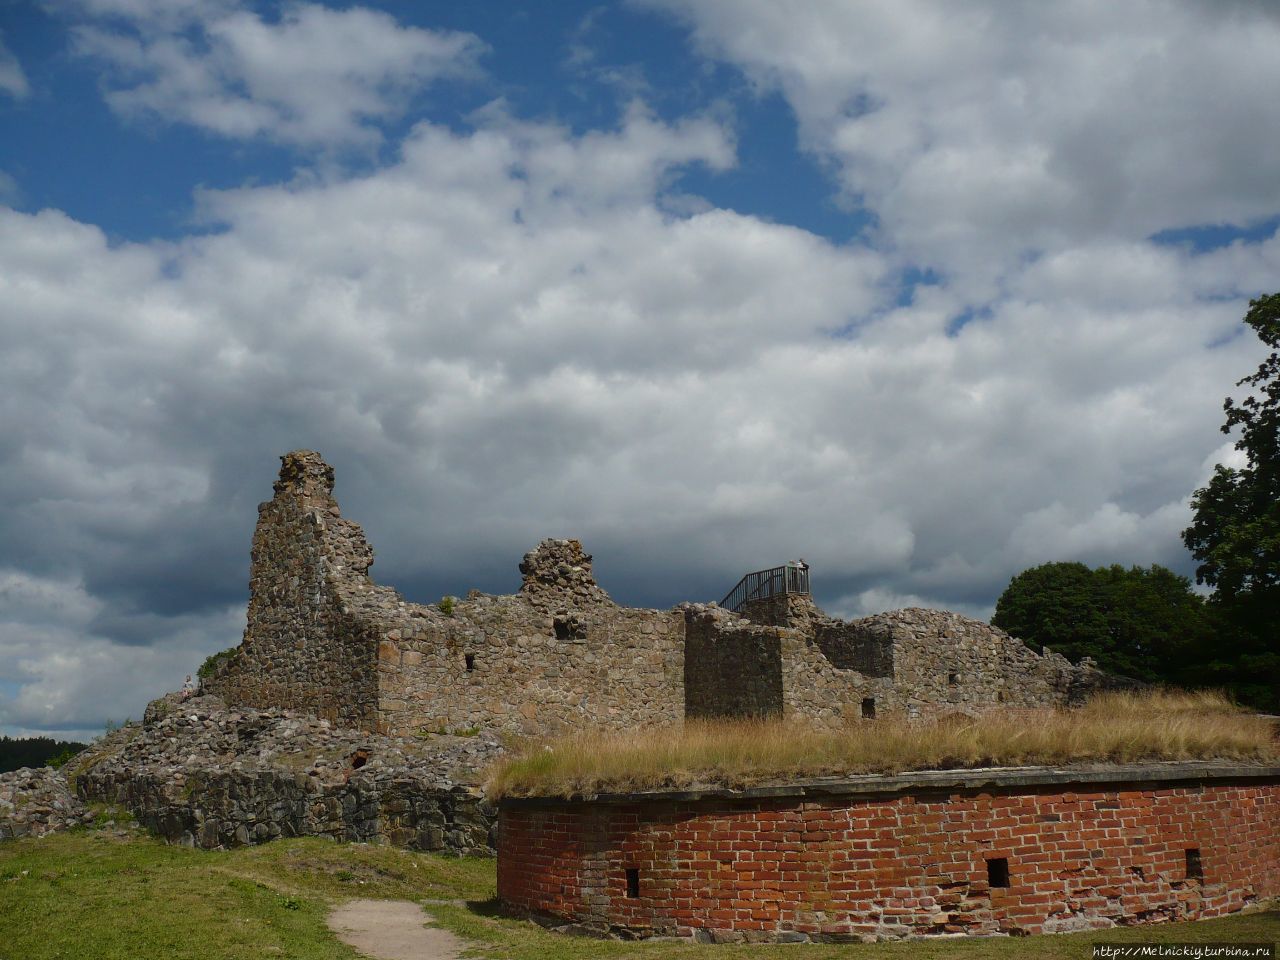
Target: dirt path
392	930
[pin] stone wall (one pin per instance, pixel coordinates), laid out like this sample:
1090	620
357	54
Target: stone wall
732	668
230	808
784	656
917	855
323	638
913	663
310	642
200	773
558	654
35	801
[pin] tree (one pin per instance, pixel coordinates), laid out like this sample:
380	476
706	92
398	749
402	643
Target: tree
1056	605
1235	532
1139	622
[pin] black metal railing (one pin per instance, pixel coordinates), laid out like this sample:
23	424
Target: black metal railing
789	578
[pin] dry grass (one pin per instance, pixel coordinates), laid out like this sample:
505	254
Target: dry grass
1112	728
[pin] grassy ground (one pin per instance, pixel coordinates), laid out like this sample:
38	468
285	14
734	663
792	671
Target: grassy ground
1117	728
91	894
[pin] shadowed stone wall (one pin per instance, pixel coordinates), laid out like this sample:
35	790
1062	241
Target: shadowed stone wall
731	667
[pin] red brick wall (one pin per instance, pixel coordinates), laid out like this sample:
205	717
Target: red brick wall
847	868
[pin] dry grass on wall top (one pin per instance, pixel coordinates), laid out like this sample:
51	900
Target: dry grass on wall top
1112	728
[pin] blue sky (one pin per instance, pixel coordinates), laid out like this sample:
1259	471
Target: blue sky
926	295
578	64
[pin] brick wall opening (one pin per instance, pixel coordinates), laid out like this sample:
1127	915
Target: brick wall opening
359	759
869	708
953	679
633	882
470	659
998	872
1195	870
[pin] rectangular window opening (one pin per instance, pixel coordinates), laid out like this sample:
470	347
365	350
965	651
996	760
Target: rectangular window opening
998	872
869	708
1195	870
471	661
633	882
953	679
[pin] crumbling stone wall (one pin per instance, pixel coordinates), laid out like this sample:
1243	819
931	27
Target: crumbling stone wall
323	638
558	654
199	773
732	668
310	643
912	663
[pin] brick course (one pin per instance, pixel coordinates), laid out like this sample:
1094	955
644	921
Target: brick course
913	863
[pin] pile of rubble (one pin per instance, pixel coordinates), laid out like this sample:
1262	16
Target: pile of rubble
34	802
202	774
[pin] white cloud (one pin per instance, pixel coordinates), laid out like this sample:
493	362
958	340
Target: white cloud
13	79
316	77
982	132
68	680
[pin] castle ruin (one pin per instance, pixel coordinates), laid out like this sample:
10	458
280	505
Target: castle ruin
323	638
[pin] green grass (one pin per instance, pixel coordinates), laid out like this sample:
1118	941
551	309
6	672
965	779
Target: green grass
89	895
514	940
1112	728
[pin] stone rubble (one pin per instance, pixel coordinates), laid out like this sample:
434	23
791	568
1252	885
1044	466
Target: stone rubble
199	773
38	801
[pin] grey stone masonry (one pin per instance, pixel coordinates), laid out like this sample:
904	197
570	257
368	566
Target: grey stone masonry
36	801
324	639
200	773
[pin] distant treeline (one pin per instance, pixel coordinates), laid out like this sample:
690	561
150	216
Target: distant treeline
35	752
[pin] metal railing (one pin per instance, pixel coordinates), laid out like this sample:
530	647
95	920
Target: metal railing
789	578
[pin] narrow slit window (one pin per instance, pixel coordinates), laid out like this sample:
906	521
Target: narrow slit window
953	679
998	872
869	708
470	659
1195	869
633	882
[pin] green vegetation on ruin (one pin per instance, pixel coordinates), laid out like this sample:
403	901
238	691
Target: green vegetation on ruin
95	895
1153	725
212	662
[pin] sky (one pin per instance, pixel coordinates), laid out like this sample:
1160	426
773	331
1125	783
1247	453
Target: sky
925	294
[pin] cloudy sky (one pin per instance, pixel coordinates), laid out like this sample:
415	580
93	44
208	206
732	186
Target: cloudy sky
924	293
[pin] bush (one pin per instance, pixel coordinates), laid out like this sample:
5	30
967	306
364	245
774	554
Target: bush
211	664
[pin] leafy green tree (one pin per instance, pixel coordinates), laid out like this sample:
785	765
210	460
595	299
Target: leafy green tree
1139	622
1235	533
1056	605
